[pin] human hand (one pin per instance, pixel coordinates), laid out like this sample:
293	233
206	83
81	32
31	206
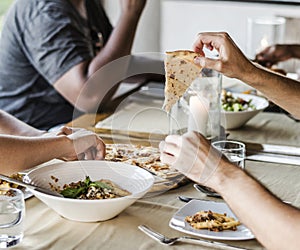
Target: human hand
231	61
192	155
273	55
133	7
86	145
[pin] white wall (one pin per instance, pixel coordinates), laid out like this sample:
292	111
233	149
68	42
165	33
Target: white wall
148	32
174	24
182	20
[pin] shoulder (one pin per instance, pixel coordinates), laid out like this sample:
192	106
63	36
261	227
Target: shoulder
35	9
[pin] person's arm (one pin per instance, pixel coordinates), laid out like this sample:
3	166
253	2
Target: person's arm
71	84
12	126
18	153
275	224
277	53
233	63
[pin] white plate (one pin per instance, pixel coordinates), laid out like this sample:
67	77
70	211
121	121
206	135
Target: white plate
178	221
27	194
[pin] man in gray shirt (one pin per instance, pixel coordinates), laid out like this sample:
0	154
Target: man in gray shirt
50	48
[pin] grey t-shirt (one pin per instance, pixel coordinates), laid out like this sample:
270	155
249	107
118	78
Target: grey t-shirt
40	41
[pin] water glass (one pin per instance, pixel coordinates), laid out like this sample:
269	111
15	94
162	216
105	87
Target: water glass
233	150
263	32
12	212
199	108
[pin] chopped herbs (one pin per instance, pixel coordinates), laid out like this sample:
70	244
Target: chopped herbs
92	190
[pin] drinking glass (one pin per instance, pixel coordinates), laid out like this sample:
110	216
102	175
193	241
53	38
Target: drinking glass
199	108
233	150
12	212
263	32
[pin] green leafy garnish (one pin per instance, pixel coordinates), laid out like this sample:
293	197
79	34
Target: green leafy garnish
73	192
102	185
82	187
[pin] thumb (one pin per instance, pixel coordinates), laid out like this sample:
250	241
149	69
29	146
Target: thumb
66	130
208	63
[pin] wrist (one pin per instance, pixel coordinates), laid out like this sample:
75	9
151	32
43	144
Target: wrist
64	146
253	75
130	16
225	173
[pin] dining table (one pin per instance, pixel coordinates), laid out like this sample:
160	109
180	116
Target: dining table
45	229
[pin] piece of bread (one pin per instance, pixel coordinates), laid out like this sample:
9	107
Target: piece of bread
181	71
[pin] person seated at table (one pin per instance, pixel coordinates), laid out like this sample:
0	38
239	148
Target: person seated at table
275	224
50	49
23	147
276	53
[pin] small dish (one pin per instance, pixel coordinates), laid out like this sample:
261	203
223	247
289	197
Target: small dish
235	120
178	222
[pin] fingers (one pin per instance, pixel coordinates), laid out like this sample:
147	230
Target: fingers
209	63
97	151
100	149
171	145
90	154
174	139
167	159
211	40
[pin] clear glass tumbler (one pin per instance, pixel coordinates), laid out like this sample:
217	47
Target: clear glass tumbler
233	150
199	108
12	212
263	32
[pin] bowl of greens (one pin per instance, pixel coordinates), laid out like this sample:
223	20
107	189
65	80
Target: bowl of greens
237	108
91	190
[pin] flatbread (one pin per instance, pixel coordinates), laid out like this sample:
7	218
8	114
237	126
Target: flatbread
181	71
146	157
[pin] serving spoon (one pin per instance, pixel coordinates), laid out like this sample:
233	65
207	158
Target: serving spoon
30	186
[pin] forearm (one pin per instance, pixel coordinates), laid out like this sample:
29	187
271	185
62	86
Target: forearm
294	50
268	218
279	89
92	80
20	153
118	45
12	126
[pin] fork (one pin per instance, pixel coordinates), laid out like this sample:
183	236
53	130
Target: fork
169	241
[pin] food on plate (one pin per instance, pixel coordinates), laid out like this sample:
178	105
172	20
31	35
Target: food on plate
5	184
146	157
181	71
234	104
212	221
90	190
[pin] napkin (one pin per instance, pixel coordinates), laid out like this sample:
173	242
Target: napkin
138	117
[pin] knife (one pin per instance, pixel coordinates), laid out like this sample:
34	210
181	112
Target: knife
29	186
273	158
272	153
270	148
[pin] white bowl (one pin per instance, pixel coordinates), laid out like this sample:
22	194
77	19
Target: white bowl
131	178
234	120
